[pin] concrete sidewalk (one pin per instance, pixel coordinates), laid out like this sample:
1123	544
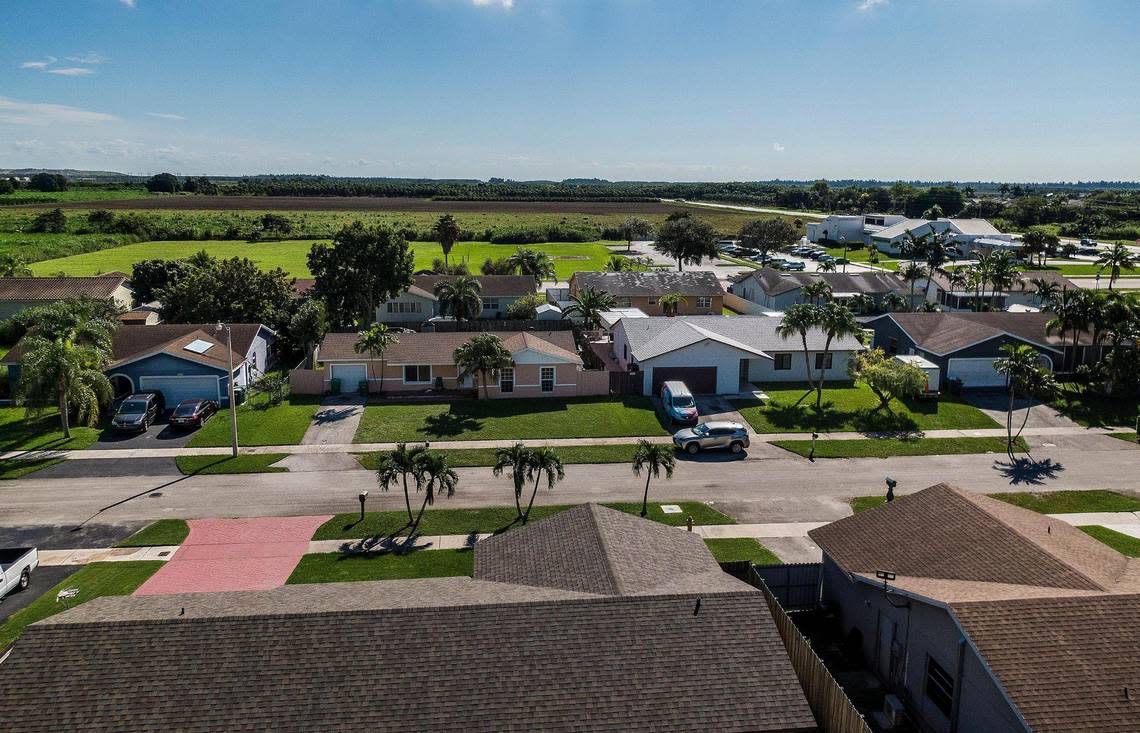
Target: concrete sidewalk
1123	522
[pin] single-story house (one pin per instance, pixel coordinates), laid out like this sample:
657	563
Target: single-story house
1023	295
982	616
703	293
856	229
19	293
589	620
181	360
777	290
720	354
964	234
965	345
546	364
418	303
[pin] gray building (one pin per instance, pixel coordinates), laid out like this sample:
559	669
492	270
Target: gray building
419	302
777	290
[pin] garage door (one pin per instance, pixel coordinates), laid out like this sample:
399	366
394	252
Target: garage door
975	373
350	375
176	389
699	380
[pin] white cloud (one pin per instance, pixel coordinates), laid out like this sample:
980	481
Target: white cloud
71	71
869	5
16	112
38	64
165	116
128	3
778	147
508	4
88	58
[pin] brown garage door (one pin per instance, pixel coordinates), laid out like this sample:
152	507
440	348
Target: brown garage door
699	380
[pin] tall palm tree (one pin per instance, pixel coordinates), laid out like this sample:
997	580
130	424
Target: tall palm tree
517	458
934	253
589	303
447	232
861	303
671	303
1070	314
816	292
534	263
483	355
838	323
436	478
652	458
396	466
459	297
617	263
798	320
826	266
1004	271
1024	373
1047	291
893	303
543	462
375	340
1116	259
912	272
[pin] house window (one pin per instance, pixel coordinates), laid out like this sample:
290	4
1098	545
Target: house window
652	300
546	379
417	374
823	361
704	301
623	302
893	345
939	686
625	351
783	362
507	380
490	304
400	307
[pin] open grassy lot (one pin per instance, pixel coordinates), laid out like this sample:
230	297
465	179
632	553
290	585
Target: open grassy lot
259	463
848	407
1050	502
162	532
335	567
258	424
494	519
1125	544
887	447
18	432
741	549
473	457
1095	411
1089	269
583	417
26	196
93	581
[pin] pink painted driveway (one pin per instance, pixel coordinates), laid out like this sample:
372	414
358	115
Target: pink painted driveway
234	554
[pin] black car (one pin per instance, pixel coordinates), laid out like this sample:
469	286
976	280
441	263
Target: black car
138	412
193	413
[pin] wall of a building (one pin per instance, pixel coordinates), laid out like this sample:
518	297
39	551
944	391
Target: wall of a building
764	370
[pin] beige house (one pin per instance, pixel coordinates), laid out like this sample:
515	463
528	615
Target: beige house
419	303
703	293
19	293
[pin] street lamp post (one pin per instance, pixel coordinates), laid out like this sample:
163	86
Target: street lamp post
230	383
843	241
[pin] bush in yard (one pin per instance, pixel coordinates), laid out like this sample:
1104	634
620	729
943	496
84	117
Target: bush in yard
887	378
525	308
163	183
274	386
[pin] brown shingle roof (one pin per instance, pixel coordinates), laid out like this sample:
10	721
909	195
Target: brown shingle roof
944	333
627	284
60	288
436	347
491	286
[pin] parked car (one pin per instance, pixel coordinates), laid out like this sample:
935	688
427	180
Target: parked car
1088	251
797	266
841	261
16	566
193	413
711	435
678	401
138	412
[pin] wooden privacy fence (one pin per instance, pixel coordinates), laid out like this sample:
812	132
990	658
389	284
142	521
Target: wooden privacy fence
830	705
795	585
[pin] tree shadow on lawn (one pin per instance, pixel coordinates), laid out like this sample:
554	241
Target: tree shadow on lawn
799	417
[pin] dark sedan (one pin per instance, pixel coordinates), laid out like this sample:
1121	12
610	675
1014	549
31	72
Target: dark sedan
193	413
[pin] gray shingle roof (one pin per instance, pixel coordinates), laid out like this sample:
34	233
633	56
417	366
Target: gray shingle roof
755	335
628	284
945	333
775	282
60	288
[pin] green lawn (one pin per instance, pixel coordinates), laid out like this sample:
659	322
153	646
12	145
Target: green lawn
27	196
284	424
260	463
1089	269
335	567
847	407
475	457
93	581
1051	502
14	468
292	255
1129	437
1125	544
18	432
739	549
162	532
583	417
863	503
1095	411
494	519
886	447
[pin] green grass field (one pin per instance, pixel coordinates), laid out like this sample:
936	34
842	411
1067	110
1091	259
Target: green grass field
162	532
335	567
887	447
475	457
741	549
1049	502
848	407
1125	544
1092	410
585	417
18	432
284	424
26	196
246	463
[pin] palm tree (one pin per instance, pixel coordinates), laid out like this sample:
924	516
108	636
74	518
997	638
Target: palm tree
1004	271
671	303
861	303
617	263
396	466
816	292
1047	290
373	341
447	233
481	356
543	462
459	297
935	255
798	320
837	322
826	266
436	477
1116	259
653	458
589	303
517	458
1024	373
893	303
534	263
912	272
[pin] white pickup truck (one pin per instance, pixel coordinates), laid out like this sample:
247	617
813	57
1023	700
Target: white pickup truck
16	566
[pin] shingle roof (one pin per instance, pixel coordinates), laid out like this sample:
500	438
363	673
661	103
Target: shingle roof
525	340
651	337
490	285
775	282
435	347
944	333
628	284
131	341
60	288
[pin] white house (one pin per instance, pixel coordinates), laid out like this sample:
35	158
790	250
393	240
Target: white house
854	229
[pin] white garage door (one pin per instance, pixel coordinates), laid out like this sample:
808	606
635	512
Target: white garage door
176	389
350	375
975	373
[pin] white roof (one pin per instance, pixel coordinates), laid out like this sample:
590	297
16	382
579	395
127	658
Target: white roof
900	228
610	317
915	360
547	308
973	227
755	335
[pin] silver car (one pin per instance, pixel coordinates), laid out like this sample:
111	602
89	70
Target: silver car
708	435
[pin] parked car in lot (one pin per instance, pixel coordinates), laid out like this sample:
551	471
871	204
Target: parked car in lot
193	413
678	401
711	435
138	412
16	566
797	266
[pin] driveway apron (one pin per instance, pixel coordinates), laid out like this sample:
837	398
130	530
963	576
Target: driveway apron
336	421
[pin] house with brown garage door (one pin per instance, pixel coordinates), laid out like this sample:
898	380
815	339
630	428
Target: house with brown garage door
703	293
545	364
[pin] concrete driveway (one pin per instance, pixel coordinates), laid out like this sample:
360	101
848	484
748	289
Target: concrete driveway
1041	415
336	420
160	435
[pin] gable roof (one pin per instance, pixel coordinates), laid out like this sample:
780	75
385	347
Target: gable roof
899	228
132	342
946	332
528	341
436	347
491	286
628	284
972	227
60	288
775	282
651	337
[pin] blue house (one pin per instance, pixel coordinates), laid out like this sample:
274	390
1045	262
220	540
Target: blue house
180	360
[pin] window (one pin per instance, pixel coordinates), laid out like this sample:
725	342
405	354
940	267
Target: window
506	380
652	300
939	686
823	361
783	362
625	351
546	379
704	301
396	306
490	304
623	302
417	374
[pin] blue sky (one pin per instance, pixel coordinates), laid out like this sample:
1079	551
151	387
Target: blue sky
626	89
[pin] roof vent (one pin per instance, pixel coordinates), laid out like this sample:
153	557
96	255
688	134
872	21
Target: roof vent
199	346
